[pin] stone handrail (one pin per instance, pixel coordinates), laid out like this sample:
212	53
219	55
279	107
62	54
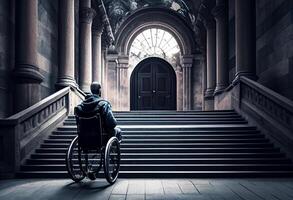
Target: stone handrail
21	133
276	106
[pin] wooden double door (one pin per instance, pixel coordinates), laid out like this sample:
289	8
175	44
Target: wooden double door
153	86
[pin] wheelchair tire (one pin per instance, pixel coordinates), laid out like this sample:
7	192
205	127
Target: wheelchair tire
112	160
72	161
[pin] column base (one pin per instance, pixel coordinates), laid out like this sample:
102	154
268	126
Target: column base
249	75
209	93
63	82
219	89
85	88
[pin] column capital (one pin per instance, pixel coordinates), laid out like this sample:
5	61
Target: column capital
207	18
187	60
86	15
123	60
98	25
220	11
209	23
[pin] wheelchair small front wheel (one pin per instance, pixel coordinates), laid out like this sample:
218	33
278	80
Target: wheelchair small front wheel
72	161
112	160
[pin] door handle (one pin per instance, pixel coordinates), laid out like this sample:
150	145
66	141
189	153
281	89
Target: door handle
154	91
139	96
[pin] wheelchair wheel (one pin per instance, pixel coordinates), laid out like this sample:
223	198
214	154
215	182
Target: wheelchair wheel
112	160
72	163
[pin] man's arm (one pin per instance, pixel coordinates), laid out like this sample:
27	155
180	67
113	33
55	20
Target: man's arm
110	120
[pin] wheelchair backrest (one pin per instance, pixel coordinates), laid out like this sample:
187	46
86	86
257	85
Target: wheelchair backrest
89	130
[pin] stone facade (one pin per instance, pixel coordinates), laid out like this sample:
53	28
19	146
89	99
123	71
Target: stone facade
274	52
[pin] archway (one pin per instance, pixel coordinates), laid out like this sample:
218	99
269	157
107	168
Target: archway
153	85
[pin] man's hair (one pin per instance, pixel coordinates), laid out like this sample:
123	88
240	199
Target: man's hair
96	88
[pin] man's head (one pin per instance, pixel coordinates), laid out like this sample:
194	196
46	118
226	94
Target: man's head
96	88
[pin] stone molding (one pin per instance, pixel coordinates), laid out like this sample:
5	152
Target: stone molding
220	11
26	73
86	15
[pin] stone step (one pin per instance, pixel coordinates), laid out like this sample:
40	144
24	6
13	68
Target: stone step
173	145
173	128
63	137
170	133
150	118
173	155
175	167
174	122
177	140
175	150
174	161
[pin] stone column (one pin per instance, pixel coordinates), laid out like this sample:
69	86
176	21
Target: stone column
111	78
211	64
221	15
123	83
179	87
103	73
245	39
66	44
97	30
187	61
86	16
26	72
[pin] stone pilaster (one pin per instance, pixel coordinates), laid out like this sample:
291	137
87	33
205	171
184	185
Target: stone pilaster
211	63
66	45
111	78
123	83
221	15
86	16
26	71
187	62
179	87
245	39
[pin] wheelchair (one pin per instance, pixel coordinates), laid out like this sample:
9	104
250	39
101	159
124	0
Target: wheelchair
90	150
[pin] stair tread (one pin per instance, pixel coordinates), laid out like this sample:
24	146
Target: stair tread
147	165
280	158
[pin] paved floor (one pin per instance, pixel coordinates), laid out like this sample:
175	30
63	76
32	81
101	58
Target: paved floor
137	189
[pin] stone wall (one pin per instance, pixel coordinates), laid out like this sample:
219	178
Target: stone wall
274	45
48	44
6	56
196	82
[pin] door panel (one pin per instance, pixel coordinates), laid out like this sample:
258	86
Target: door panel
153	86
145	93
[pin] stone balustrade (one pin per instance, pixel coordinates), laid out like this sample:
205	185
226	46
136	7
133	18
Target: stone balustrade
24	130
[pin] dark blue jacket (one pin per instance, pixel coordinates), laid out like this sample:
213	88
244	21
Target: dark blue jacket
94	104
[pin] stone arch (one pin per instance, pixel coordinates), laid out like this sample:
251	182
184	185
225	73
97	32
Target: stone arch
162	18
118	60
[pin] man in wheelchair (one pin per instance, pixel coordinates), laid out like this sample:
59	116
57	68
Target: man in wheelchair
97	142
94	104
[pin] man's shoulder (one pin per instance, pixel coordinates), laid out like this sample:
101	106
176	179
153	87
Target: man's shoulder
103	102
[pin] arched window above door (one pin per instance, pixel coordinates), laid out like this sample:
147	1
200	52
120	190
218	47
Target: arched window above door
154	42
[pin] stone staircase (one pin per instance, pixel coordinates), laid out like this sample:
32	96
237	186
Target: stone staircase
174	144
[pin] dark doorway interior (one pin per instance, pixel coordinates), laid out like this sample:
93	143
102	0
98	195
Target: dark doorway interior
153	86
